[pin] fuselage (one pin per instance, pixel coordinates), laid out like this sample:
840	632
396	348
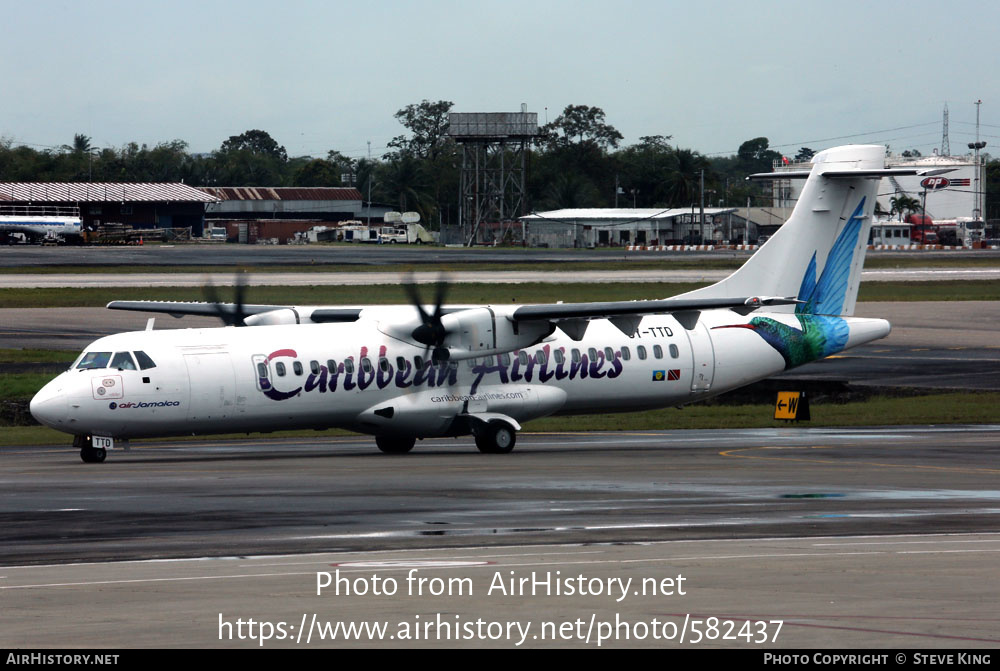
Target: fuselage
41	226
354	376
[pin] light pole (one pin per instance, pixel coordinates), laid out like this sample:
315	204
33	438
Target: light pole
977	212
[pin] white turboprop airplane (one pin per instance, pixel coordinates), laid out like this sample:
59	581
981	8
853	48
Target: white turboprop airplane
400	373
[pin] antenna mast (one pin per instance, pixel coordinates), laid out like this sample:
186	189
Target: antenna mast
945	145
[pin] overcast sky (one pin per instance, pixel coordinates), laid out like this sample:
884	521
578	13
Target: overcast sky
330	75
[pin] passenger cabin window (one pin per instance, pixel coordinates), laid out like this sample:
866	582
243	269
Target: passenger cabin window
383	364
262	370
145	363
523	358
297	367
400	363
314	367
123	361
366	365
592	353
418	362
559	356
540	357
505	359
348	365
641	351
576	355
609	354
331	365
280	369
674	352
93	360
626	354
657	351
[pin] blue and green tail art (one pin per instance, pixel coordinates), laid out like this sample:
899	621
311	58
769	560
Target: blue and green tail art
822	331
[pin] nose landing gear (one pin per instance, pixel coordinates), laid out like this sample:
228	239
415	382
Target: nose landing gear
88	453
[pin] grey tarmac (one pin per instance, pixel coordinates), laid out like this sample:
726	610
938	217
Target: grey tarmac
867	537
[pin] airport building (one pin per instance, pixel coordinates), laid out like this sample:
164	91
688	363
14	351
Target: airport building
137	205
615	227
256	214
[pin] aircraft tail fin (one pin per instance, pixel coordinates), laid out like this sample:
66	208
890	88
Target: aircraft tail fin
817	255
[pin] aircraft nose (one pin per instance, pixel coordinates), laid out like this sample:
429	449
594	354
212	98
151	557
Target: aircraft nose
49	406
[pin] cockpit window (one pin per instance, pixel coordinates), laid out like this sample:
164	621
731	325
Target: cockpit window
92	360
123	361
145	362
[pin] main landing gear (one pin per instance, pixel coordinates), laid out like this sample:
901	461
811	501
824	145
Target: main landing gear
88	453
496	438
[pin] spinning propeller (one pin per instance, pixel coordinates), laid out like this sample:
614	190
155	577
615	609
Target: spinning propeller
431	333
231	314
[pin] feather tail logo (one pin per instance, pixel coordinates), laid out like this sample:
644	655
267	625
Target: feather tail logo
821	331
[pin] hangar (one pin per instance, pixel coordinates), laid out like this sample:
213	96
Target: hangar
136	204
254	213
612	227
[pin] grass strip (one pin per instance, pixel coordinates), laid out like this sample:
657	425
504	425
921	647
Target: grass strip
475	293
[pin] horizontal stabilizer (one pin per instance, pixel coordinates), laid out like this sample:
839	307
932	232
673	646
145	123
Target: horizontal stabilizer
854	174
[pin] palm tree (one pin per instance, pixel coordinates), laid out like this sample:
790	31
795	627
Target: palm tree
903	204
81	144
682	183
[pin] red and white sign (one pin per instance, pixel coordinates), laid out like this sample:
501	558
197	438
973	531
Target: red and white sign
935	183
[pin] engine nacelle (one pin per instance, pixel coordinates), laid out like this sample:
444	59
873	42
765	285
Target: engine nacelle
484	331
273	318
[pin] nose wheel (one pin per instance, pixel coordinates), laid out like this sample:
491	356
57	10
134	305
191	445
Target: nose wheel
88	453
394	444
92	455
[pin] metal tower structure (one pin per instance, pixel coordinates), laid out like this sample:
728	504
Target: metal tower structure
494	169
945	145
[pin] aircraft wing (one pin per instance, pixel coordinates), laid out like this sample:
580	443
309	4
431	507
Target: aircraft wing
572	318
618	308
180	309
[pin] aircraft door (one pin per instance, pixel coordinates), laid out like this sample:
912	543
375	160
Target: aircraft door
703	357
213	386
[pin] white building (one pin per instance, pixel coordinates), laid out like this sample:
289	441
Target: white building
613	227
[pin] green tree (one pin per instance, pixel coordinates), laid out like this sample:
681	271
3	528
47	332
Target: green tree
256	142
683	181
902	204
252	158
428	123
580	124
317	172
805	153
405	181
755	156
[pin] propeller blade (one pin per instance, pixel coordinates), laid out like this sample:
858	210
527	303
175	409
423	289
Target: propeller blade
231	314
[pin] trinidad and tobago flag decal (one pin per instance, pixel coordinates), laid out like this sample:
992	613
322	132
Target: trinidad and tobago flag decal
661	375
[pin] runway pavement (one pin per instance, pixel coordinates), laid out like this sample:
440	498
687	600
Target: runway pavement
289	279
850	537
356	255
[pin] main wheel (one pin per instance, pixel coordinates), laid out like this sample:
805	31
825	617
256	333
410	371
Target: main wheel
394	444
496	438
91	455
